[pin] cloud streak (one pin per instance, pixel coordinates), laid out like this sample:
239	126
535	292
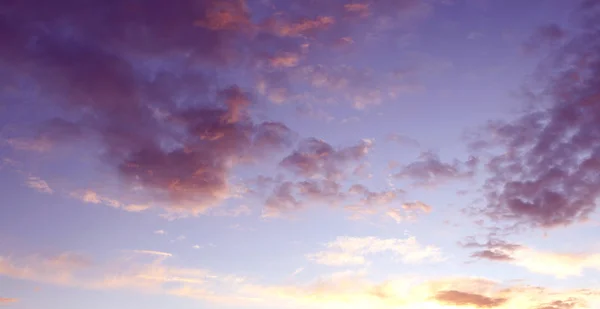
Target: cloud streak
345	251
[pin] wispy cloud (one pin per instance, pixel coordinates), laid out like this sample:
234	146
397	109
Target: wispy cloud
39	185
345	251
92	197
6	300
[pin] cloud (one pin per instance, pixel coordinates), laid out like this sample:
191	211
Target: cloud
282	200
152	272
39	185
180	153
346	251
155	253
558	264
49	133
457	298
570	303
355	290
542	173
138	270
6	300
92	197
302	27
494	249
136	207
403	140
177	130
319	168
241	210
284	60
545	36
297	271
160	232
315	158
429	170
57	269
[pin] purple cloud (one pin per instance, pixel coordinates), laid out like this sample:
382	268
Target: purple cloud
545	174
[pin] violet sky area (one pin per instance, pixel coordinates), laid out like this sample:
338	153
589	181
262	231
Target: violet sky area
299	154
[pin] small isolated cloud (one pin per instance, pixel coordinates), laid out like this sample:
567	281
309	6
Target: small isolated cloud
409	211
403	140
571	303
315	158
458	298
284	60
179	238
494	249
430	171
151	252
318	169
297	271
301	27
160	232
241	210
92	197
197	247
347	251
6	300
39	185
136	207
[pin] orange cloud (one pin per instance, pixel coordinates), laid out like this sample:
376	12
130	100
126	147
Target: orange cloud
149	271
5	300
302	27
458	298
92	197
284	60
359	9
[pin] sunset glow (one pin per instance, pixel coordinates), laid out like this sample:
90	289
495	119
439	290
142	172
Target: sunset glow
337	154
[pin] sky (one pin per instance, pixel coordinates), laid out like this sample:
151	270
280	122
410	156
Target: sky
406	154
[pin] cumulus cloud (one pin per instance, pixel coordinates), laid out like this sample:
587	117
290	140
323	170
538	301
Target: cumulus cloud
430	171
179	128
346	251
180	152
319	170
315	158
543	174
